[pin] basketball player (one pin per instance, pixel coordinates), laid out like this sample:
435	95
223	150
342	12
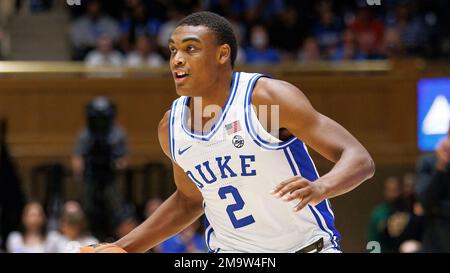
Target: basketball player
259	192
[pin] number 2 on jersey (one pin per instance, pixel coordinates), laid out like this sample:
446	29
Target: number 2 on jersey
238	205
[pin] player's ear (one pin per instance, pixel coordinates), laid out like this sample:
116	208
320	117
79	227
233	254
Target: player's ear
223	53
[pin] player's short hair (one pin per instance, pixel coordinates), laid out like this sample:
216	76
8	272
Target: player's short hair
221	27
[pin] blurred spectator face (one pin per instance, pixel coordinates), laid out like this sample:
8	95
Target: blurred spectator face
140	12
366	40
392	38
392	190
349	44
289	16
94	9
104	44
126	226
363	14
259	38
311	50
392	43
403	13
324	5
133	3
143	45
73	221
151	206
348	37
190	231
33	217
409	184
327	17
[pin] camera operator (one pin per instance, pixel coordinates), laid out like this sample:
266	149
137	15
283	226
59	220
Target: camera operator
101	149
433	190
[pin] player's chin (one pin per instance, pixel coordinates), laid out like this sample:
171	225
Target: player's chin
183	90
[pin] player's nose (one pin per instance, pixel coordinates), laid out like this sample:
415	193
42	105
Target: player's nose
178	60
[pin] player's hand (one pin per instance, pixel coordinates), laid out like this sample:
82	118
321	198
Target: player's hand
302	189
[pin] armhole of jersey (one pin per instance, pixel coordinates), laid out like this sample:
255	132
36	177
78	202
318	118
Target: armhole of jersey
249	122
171	129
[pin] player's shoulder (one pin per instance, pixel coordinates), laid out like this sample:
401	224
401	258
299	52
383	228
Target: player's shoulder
163	126
163	132
268	90
164	122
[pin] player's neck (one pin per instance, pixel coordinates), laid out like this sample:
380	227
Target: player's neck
219	92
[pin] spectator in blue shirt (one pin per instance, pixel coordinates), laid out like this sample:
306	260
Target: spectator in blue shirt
348	49
137	23
327	32
260	52
410	29
188	241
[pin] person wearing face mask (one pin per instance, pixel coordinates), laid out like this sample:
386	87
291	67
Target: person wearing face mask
260	51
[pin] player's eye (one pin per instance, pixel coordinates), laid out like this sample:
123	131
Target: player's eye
190	48
173	50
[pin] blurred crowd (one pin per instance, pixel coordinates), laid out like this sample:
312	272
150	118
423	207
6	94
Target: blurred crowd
35	234
415	213
135	32
52	223
397	223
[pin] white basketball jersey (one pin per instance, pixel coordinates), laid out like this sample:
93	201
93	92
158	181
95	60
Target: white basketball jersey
235	166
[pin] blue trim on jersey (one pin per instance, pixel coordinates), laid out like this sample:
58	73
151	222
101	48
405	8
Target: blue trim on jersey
248	119
303	161
171	131
321	226
218	123
294	171
290	161
208	233
325	206
208	238
308	171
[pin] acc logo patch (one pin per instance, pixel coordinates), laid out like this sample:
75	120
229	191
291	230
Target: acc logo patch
238	141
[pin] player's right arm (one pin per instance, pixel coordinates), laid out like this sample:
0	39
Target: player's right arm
176	213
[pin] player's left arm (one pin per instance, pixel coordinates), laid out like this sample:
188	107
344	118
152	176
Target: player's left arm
353	164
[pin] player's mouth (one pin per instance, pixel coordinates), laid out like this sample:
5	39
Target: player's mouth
180	76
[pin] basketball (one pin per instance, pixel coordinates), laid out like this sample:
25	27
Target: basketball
102	248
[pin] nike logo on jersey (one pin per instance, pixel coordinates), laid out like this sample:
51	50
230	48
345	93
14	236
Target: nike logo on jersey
180	152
